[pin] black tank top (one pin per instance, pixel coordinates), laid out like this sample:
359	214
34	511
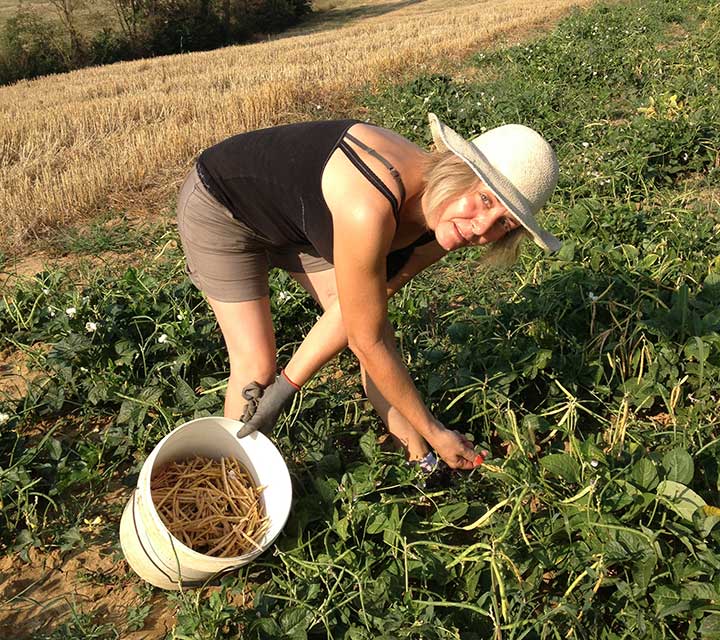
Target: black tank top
270	180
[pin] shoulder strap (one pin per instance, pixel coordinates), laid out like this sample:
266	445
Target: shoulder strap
371	176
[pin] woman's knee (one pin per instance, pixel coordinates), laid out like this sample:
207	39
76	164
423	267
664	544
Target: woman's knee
256	369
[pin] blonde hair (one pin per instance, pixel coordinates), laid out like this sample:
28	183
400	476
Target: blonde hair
448	176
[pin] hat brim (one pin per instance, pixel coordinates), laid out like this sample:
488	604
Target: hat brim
446	138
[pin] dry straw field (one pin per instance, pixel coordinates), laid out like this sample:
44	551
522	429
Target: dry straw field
120	137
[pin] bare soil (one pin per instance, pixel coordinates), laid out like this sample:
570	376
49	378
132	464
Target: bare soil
47	589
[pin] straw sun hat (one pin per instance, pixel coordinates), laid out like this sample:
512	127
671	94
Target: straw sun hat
516	163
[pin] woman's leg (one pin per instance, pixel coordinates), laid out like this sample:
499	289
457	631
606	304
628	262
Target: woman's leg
321	285
412	442
250	340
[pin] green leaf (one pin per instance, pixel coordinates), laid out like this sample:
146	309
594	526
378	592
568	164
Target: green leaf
679	498
450	512
679	466
562	465
341	528
644	474
368	445
644	570
710	627
294	622
459	332
70	539
55	449
705	520
184	393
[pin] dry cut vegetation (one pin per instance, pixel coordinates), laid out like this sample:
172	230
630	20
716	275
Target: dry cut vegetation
121	136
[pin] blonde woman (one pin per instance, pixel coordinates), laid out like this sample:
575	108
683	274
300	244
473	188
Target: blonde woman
352	211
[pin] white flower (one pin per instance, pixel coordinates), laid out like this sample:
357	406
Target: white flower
283	296
90	327
594	463
586	144
592	297
71	311
51	311
180	316
46	291
162	338
4	417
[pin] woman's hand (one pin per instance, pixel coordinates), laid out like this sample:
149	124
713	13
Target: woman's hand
455	449
265	406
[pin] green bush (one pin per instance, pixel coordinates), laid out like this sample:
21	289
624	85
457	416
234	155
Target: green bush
108	46
178	26
29	47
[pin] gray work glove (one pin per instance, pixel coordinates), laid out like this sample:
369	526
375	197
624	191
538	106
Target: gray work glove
264	406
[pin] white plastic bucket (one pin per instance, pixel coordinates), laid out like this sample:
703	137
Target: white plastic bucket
160	558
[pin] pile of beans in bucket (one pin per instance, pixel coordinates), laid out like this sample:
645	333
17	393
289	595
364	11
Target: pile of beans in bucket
212	506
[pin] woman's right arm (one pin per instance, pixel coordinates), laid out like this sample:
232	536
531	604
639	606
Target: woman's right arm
362	292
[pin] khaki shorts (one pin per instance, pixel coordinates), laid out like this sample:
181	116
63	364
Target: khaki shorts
224	258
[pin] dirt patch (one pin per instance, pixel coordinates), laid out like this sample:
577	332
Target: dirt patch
47	589
43	592
26	267
16	372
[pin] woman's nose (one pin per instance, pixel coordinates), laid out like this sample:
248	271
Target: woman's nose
479	225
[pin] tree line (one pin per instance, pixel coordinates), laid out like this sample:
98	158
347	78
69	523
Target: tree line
32	45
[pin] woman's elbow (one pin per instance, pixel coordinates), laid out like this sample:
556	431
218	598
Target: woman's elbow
363	347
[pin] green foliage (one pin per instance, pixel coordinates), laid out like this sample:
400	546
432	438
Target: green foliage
29	48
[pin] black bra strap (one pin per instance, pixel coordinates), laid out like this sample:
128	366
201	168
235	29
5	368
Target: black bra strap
366	171
372	177
393	171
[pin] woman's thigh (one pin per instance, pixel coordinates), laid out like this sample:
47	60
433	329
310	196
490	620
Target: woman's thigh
320	285
250	339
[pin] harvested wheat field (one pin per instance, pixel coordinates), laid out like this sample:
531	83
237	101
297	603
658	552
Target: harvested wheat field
119	137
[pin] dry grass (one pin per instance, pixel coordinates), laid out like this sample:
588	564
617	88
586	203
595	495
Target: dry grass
122	136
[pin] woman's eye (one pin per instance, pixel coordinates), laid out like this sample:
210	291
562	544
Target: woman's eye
504	223
485	199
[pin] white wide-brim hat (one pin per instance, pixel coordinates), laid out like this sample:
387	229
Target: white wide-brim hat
516	163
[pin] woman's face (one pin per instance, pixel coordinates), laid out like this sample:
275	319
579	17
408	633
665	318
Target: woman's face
474	218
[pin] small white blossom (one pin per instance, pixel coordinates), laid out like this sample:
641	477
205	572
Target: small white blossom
180	316
163	338
4	417
594	463
51	311
586	144
46	291
283	296
90	327
592	297
71	311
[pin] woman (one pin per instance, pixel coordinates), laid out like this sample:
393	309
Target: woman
352	211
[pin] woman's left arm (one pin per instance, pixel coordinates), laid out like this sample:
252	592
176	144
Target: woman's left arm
328	337
421	257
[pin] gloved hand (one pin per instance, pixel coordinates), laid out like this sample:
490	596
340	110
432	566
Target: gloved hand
265	406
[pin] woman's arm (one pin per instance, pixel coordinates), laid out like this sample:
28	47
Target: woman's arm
328	337
362	292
